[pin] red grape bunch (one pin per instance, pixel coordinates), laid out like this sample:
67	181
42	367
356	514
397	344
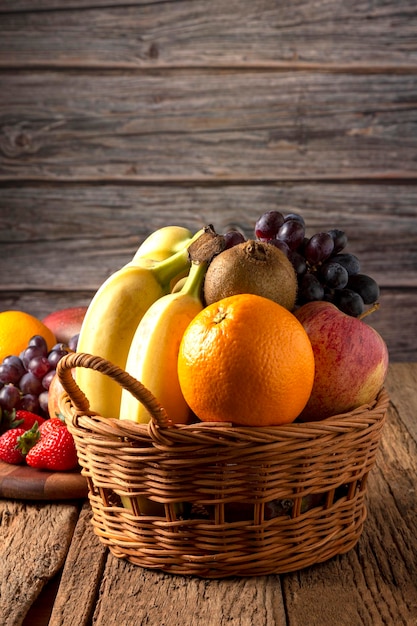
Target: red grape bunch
325	270
25	378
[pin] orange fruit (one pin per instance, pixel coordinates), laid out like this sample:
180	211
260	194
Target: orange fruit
16	330
247	360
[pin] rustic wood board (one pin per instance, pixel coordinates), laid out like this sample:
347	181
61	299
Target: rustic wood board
85	561
104	224
141	34
34	541
174	126
26	483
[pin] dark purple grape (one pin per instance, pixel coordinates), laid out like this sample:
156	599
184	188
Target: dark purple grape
47	379
29	383
292	232
43	401
339	238
39	366
349	261
39	342
365	286
281	245
56	355
9	397
310	289
318	248
16	362
60	346
349	302
334	275
268	225
295	217
30	352
29	402
233	237
73	342
9	373
298	262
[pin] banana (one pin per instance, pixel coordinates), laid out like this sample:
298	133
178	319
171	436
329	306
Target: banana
153	353
112	318
163	243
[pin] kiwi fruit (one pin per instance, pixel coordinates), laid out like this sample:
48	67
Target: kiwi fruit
254	267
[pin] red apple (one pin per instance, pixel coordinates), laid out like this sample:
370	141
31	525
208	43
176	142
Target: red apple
351	360
65	323
55	393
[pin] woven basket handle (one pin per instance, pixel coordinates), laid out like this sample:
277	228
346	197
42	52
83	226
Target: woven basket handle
125	380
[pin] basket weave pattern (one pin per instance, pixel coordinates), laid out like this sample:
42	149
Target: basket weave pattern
216	500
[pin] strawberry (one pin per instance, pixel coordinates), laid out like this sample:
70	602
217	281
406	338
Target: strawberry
26	419
51	424
55	450
19	419
9	446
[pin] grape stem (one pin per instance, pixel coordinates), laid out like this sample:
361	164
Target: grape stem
372	309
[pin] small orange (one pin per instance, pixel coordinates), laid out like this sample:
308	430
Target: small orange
247	360
16	330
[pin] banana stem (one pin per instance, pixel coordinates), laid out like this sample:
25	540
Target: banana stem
193	284
167	269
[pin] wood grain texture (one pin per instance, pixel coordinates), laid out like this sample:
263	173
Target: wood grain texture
93	230
206	125
40	534
232	601
25	483
85	561
215	34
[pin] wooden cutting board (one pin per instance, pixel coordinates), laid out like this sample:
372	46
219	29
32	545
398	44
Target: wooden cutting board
25	483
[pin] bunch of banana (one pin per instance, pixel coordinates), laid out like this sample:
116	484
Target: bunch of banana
153	353
163	243
120	303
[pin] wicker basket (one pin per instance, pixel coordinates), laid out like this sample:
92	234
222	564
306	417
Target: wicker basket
214	500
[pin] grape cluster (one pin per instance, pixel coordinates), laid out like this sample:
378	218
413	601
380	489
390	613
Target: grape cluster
325	270
25	379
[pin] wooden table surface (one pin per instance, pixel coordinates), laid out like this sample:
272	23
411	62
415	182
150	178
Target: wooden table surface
54	570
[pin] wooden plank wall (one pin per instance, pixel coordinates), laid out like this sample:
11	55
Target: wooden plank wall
119	117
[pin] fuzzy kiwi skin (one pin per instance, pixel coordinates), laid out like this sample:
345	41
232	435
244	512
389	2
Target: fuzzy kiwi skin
252	267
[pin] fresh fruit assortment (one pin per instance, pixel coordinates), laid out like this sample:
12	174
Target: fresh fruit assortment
28	391
25	378
143	313
249	331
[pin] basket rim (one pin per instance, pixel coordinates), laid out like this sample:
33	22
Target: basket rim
361	418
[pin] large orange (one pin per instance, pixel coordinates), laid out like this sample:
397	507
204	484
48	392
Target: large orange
16	330
246	360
